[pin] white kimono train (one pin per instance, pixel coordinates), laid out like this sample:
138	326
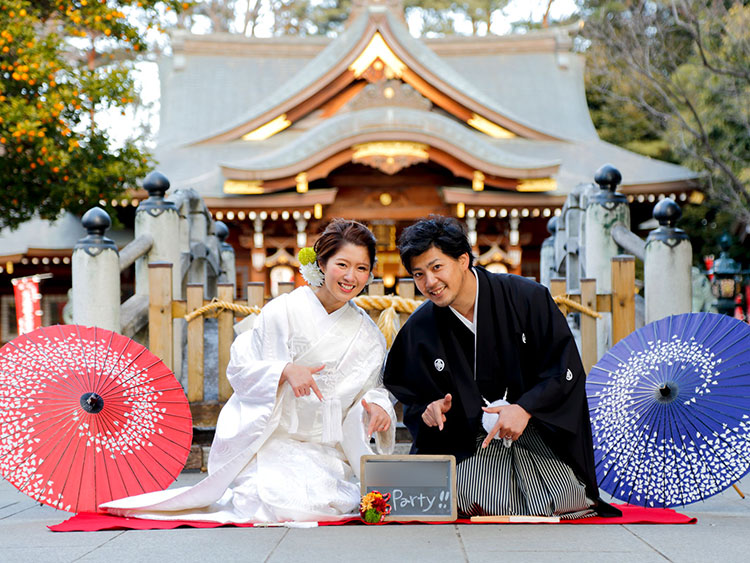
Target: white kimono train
269	461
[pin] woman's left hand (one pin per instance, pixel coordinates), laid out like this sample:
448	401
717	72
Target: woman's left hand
379	419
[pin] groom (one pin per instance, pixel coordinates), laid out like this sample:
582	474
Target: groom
479	338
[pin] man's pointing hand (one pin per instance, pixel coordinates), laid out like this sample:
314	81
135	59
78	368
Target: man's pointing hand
434	414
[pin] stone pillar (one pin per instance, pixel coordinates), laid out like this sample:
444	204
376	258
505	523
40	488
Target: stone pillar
198	235
605	209
547	255
573	217
228	272
160	218
96	275
667	265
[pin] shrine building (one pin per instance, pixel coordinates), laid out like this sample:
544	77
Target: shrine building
280	135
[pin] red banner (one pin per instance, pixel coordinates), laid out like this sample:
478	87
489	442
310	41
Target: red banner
28	304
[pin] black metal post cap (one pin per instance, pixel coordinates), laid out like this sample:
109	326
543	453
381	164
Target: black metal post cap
96	221
221	230
552	225
156	184
667	213
608	177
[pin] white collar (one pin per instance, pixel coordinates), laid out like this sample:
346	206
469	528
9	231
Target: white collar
470	325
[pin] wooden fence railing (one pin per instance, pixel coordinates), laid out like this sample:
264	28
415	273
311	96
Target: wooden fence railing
620	304
163	309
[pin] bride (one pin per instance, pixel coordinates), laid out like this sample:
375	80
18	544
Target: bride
307	398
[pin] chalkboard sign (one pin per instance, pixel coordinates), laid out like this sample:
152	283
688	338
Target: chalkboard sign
422	487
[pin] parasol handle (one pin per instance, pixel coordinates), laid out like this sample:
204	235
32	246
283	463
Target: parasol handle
739	492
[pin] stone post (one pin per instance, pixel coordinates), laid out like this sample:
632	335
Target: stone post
572	217
547	269
605	209
96	274
667	265
160	218
226	257
198	224
213	262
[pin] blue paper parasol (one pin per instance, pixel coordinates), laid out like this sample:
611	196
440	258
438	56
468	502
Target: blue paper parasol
669	410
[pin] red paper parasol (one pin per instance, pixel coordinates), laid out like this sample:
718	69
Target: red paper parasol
87	416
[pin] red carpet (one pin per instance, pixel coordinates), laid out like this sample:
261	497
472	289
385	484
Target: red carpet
89	522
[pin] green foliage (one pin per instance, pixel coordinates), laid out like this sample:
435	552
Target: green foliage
329	17
671	79
57	69
704	224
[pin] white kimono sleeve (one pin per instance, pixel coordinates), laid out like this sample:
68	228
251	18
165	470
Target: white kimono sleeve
355	441
257	359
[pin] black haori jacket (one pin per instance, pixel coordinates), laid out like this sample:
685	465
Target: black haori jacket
523	345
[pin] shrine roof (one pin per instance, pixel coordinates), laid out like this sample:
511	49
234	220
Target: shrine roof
217	83
392	124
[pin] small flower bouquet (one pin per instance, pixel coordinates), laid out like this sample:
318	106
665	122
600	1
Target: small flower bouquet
374	507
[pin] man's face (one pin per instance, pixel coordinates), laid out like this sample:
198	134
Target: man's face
439	277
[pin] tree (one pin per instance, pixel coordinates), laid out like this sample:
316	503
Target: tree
60	63
682	69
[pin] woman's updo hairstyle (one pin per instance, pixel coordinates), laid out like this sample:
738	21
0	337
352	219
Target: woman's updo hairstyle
341	231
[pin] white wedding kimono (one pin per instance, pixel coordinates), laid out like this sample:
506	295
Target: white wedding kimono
275	457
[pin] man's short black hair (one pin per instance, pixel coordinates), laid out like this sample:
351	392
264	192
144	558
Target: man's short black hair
444	233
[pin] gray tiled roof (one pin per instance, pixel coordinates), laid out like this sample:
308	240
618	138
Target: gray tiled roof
580	161
210	91
62	234
198	167
214	94
510	85
296	82
207	89
386	123
552	98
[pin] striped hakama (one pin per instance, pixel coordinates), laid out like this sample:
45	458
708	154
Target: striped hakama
525	479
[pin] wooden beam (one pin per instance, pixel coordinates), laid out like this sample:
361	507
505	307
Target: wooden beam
376	287
285	287
405	289
332	106
623	297
179	309
589	352
225	292
195	344
557	286
255	292
436	96
160	311
321	96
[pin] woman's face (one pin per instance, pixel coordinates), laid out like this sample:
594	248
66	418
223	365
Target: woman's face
346	272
